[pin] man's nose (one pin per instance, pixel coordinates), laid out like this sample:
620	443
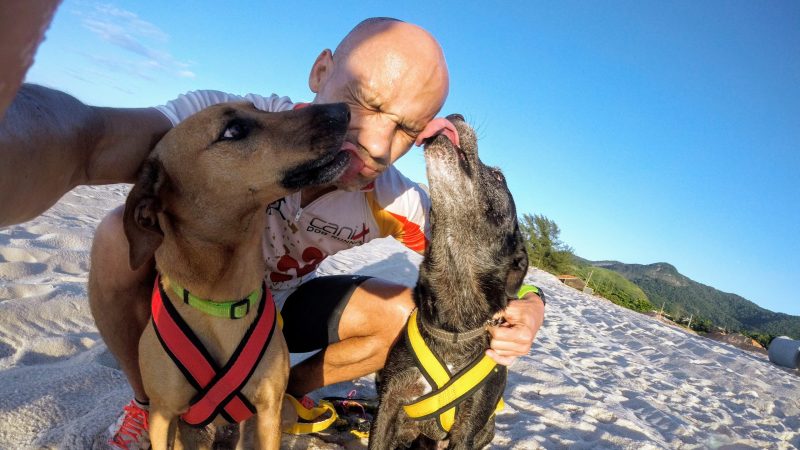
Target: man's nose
376	133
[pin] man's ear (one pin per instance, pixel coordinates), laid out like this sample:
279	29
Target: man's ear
140	219
320	71
518	269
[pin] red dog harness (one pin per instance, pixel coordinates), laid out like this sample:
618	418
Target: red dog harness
218	389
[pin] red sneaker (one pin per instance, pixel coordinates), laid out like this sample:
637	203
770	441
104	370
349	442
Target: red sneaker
129	432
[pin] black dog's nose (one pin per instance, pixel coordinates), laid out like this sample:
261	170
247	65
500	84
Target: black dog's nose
456	116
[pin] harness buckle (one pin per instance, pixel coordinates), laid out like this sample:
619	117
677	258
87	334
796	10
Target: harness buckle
235	314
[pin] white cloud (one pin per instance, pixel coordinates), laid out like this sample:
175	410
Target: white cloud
126	30
137	25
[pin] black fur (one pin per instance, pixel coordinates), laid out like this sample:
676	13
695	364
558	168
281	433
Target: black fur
476	261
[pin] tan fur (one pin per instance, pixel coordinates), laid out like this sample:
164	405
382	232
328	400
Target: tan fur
199	207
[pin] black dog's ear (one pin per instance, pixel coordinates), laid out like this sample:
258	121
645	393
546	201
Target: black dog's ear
517	269
140	219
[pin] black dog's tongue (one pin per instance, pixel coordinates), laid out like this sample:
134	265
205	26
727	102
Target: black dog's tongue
436	127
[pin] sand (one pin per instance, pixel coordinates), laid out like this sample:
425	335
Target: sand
599	376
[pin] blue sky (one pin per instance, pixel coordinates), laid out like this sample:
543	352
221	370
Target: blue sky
648	131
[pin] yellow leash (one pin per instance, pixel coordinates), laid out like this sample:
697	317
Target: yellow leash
442	401
311	415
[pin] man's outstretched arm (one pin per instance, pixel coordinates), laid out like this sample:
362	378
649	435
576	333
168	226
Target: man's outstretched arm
50	142
22	27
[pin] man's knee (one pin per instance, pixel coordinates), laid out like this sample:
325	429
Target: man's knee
378	308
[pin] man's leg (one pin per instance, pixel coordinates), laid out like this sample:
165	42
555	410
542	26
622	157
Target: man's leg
119	297
369	323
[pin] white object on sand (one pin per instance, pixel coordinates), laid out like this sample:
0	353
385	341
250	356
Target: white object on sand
785	351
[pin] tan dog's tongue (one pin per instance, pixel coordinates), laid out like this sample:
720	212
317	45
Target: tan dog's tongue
436	127
356	164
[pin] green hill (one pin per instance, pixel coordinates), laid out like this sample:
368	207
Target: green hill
614	287
682	296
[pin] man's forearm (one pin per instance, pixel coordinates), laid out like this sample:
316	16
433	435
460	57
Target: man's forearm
50	142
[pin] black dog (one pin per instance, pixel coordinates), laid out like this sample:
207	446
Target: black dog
475	262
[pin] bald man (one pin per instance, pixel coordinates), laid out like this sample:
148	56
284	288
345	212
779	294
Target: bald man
394	78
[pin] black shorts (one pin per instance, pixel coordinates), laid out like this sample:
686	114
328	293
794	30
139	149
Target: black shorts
311	314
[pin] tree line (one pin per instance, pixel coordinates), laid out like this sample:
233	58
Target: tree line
629	285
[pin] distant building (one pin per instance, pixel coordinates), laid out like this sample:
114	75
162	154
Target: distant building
573	282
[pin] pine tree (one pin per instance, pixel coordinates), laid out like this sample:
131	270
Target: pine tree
545	250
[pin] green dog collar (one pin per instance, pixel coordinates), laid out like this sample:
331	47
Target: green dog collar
233	309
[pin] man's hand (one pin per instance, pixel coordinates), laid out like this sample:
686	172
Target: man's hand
514	338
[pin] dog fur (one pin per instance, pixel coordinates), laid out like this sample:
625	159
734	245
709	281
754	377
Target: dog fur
476	260
198	207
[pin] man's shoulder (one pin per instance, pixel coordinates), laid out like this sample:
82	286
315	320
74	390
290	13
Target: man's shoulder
394	188
392	178
192	102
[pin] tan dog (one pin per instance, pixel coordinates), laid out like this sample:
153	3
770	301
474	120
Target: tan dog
199	207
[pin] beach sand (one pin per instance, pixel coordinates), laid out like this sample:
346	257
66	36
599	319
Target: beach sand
599	376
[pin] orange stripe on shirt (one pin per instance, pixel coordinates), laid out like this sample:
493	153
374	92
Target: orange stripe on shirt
399	227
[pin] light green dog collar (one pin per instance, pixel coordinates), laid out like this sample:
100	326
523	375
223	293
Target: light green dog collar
233	309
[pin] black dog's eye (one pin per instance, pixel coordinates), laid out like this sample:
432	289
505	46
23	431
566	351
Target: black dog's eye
234	130
498	175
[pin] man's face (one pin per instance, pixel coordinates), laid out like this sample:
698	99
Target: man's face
391	99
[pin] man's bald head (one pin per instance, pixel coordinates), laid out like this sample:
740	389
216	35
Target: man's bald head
394	48
365	27
394	76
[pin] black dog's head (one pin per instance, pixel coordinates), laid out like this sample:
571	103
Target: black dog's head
476	247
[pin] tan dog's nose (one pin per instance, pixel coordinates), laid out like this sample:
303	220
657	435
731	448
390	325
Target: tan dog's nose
332	113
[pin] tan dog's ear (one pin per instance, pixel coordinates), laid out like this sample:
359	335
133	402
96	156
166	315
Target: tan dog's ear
140	220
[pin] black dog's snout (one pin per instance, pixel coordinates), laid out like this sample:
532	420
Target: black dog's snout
456	116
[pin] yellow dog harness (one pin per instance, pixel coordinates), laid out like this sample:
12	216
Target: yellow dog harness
450	390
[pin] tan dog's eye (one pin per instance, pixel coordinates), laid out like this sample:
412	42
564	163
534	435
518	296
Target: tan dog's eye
235	129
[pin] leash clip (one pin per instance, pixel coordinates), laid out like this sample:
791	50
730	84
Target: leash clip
495	322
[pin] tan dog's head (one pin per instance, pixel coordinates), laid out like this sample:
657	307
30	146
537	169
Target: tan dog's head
209	175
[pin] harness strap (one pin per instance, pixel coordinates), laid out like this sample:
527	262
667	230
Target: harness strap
219	389
311	415
450	390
